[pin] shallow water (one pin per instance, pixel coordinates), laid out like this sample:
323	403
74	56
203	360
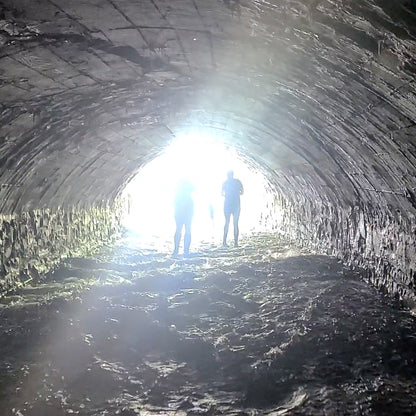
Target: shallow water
262	329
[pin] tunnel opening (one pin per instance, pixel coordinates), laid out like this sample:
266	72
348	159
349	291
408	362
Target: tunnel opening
203	160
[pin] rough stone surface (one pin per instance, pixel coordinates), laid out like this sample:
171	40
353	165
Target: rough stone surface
319	94
238	331
33	242
381	242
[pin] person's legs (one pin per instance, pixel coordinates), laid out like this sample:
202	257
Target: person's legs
236	217
227	215
177	237
187	237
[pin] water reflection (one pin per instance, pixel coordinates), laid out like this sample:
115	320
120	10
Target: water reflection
244	331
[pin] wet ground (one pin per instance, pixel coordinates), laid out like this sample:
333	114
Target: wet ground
261	329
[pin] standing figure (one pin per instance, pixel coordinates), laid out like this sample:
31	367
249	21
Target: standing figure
184	212
231	190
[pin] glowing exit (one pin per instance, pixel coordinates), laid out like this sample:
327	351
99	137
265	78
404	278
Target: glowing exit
205	163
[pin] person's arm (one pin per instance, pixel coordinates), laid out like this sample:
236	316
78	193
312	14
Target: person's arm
223	189
241	189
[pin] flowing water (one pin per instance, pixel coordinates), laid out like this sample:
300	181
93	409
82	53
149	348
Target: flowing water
262	329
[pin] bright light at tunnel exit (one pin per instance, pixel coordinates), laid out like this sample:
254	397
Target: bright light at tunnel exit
205	162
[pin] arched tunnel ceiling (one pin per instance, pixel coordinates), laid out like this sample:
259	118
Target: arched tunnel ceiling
318	92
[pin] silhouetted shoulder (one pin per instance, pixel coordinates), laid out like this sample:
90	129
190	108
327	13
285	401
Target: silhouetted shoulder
185	188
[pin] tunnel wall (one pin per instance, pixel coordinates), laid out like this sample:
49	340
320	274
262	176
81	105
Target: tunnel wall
380	241
34	242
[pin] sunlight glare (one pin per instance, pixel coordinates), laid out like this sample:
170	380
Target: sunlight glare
205	162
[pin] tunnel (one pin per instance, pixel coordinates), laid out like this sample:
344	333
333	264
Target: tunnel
315	96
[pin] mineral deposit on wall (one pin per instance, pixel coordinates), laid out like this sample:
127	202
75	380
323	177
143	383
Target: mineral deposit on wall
34	242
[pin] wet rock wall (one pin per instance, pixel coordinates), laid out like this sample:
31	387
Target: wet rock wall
382	241
32	243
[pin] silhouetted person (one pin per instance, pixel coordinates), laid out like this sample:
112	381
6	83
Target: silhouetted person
184	212
231	190
211	211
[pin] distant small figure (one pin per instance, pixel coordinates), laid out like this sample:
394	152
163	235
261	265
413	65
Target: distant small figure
184	212
211	211
231	190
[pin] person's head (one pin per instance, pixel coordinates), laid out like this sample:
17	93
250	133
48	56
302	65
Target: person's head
183	186
230	174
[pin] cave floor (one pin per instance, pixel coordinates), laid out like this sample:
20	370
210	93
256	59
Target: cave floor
238	331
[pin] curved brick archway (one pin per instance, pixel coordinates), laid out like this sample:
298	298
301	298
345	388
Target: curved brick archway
319	94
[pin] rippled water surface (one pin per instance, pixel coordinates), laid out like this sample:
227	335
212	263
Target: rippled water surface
261	329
